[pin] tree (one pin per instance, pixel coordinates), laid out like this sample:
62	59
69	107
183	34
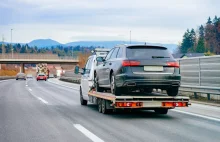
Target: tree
210	35
201	43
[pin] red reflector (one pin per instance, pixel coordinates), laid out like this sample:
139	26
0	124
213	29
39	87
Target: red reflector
174	104
173	64
130	63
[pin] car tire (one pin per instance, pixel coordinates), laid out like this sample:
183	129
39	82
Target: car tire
173	91
99	102
161	111
82	101
37	79
104	108
16	79
45	80
98	89
114	89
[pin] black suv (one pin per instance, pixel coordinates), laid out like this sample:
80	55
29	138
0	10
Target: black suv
138	68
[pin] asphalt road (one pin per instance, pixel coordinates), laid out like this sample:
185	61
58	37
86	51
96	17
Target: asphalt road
42	111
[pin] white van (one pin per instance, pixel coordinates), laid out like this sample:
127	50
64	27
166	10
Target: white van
87	78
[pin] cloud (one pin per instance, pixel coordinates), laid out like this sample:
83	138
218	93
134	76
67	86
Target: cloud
156	20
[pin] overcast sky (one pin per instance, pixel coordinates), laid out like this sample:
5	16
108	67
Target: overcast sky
162	21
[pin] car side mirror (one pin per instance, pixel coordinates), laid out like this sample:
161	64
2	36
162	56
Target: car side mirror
76	70
82	71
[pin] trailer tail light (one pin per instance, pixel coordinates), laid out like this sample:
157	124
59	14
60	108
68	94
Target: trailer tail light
129	104
174	104
128	63
173	64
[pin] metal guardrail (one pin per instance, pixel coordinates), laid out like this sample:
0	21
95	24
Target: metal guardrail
6	77
200	75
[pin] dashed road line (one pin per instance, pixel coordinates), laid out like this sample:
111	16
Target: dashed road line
42	100
87	133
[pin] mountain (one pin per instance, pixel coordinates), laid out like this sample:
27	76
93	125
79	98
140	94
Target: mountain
110	44
44	43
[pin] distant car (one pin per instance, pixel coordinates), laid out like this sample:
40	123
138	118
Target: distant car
29	76
51	76
21	76
138	67
41	76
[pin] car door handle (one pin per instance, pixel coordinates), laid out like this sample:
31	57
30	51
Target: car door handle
110	63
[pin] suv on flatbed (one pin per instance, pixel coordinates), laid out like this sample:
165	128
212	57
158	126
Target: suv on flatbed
129	68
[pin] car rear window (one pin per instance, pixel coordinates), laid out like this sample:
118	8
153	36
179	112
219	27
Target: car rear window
147	52
41	75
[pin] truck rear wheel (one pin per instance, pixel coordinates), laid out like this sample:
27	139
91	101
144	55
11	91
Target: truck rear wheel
82	101
161	111
104	107
99	101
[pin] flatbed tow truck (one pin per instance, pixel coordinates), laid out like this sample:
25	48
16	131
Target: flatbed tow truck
160	103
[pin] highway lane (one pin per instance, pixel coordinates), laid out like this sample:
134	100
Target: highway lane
44	111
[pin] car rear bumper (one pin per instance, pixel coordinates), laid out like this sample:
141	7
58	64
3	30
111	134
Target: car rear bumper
153	81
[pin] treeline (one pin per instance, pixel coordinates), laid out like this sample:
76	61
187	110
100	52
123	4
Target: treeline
60	50
205	40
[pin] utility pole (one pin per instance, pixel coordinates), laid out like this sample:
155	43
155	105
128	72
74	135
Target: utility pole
130	37
11	45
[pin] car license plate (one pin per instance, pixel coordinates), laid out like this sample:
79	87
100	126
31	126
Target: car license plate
41	78
153	68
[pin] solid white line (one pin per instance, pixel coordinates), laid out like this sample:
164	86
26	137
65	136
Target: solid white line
64	85
4	80
42	100
198	115
87	133
30	89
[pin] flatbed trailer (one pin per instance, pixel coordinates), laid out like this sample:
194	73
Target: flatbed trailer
160	103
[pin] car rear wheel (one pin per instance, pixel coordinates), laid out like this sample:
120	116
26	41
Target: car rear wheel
98	89
114	89
82	101
173	91
161	111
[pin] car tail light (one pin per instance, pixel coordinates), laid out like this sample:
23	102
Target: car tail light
130	63
173	64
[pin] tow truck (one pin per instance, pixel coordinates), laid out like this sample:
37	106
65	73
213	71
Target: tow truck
108	102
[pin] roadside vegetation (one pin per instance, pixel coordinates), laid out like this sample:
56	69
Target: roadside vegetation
205	39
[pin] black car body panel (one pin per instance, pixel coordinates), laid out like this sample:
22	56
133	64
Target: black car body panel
139	67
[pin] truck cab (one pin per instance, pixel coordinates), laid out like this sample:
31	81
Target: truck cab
87	78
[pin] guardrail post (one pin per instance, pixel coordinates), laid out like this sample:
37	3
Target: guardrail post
195	95
199	73
208	96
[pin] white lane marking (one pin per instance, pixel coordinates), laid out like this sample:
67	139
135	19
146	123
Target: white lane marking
30	89
198	115
64	85
87	133
4	80
42	100
26	85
